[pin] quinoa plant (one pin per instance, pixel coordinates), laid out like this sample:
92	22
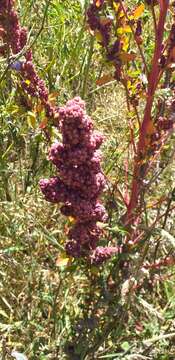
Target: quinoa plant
80	181
114	240
119	29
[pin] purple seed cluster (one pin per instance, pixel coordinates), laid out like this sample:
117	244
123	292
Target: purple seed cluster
95	23
13	34
35	86
101	254
103	25
80	180
14	39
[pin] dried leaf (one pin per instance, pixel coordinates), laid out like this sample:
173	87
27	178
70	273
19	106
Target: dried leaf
63	261
18	356
150	308
39	108
43	124
138	11
126	57
71	219
98	3
104	80
105	21
53	97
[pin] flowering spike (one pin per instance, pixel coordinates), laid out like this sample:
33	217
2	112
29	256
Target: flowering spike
80	179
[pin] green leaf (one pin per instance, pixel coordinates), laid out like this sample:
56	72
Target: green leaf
125	346
31	119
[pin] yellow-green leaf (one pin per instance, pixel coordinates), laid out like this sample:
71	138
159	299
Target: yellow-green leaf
125	41
31	119
63	261
115	6
124	30
98	36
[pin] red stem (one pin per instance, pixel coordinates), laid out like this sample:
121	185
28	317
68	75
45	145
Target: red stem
147	120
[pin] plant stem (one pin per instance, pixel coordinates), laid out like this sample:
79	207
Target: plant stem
91	48
140	165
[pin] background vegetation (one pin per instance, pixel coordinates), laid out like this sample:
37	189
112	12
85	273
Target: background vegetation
49	308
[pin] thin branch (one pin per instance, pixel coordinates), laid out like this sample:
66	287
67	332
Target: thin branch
135	38
154	18
141	166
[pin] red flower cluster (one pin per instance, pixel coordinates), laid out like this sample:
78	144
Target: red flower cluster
80	180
